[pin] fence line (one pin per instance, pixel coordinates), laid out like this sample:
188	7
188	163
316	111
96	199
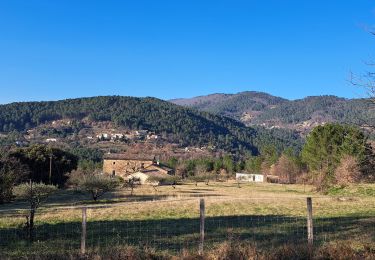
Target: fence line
191	233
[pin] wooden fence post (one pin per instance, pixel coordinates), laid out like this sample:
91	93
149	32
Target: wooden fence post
202	217
83	234
310	229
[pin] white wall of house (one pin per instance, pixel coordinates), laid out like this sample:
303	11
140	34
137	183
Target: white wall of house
249	177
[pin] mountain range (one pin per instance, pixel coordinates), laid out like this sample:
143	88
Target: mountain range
247	121
178	124
258	108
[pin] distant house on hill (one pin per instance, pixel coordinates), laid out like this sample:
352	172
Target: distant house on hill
117	136
141	133
152	137
103	137
124	165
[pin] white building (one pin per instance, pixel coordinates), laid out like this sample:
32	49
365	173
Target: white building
141	133
117	136
249	177
152	136
103	136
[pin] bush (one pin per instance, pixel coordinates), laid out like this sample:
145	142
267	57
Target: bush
348	171
11	172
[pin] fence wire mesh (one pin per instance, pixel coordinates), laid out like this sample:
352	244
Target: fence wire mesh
264	222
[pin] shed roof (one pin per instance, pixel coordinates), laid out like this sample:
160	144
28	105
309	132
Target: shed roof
159	167
242	173
150	174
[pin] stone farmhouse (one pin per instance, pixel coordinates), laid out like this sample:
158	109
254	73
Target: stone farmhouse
125	165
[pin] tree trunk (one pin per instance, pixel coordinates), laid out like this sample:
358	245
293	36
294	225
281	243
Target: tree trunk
31	224
94	195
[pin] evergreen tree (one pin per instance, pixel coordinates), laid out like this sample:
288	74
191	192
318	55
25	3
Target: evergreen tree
42	160
326	145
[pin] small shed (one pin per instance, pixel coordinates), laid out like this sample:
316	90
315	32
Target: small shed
249	177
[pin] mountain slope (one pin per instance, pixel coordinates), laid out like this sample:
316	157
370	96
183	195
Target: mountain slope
254	108
182	125
233	105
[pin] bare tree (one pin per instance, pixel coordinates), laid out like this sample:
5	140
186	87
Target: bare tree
167	180
131	183
348	171
286	169
97	185
34	194
202	175
366	81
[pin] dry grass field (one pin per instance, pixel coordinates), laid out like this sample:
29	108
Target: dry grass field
167	219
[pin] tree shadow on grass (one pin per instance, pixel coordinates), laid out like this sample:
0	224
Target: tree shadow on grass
183	233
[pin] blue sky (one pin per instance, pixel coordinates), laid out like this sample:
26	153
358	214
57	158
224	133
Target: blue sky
52	50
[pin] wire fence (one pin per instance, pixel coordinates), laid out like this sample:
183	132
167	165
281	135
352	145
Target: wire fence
261	221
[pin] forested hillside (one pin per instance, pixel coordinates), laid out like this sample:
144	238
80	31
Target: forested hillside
233	105
329	108
254	108
182	125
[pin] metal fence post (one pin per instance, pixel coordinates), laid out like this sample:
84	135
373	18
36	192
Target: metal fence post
202	218
83	234
310	229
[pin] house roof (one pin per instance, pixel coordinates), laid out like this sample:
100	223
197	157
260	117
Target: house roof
128	156
154	174
157	167
257	174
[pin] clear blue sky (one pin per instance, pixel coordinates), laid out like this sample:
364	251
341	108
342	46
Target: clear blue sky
52	50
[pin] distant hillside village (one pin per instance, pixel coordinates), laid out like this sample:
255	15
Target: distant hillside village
61	129
129	135
103	137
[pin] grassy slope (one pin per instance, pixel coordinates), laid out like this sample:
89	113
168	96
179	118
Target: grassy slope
221	199
169	218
